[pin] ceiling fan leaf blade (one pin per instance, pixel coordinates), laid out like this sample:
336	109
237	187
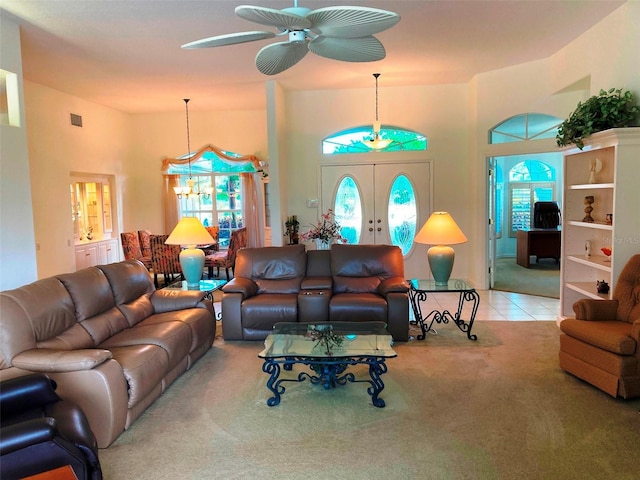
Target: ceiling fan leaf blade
229	39
351	22
362	49
280	19
278	57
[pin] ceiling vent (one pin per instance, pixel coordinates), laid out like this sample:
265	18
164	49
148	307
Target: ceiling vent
76	120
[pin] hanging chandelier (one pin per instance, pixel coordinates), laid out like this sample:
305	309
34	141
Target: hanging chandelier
188	191
376	142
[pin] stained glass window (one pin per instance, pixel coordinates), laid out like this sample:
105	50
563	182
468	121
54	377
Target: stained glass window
353	140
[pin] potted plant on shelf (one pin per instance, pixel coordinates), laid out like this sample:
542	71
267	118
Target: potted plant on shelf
608	109
325	232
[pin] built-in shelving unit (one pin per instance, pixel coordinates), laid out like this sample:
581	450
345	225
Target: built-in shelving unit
615	189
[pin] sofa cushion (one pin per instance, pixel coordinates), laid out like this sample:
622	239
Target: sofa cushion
92	280
105	325
357	307
262	312
129	280
27	316
271	263
612	335
199	320
144	367
384	261
173	337
291	285
355	284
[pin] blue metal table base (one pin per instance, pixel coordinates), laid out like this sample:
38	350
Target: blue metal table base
329	372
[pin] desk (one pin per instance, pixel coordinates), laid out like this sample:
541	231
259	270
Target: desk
418	290
539	242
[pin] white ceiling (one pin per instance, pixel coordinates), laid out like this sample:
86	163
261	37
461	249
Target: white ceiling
126	54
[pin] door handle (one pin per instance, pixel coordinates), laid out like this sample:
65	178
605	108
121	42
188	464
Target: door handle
371	229
379	229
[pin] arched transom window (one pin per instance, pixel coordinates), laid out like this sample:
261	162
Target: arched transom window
355	140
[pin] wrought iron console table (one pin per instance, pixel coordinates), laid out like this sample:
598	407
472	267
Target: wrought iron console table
419	289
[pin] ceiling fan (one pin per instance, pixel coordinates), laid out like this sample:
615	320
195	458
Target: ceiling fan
340	33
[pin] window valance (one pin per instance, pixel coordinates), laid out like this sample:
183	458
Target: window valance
244	159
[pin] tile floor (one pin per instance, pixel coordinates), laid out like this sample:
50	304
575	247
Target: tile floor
498	305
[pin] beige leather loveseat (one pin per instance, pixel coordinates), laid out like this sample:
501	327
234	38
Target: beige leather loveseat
289	284
111	341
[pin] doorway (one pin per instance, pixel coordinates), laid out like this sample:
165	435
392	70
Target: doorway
516	182
387	203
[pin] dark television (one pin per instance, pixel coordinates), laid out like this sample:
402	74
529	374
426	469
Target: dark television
546	215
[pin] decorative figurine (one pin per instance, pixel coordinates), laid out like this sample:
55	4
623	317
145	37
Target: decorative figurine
602	286
587	248
588	201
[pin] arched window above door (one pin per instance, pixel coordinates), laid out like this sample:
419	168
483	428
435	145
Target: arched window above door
353	140
523	127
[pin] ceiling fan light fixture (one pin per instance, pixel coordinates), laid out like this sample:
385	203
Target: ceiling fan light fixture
340	32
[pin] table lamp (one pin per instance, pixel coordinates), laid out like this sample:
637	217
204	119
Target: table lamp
188	233
440	231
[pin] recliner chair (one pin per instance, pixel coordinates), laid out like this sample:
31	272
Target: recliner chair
602	344
41	432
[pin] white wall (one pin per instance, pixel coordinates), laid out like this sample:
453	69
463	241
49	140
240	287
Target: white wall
159	135
56	149
17	240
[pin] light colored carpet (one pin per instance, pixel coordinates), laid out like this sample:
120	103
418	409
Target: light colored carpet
498	408
542	279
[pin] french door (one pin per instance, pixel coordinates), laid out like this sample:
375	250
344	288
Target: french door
381	204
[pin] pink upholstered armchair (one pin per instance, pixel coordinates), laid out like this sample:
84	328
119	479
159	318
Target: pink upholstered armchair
165	259
131	249
227	259
215	234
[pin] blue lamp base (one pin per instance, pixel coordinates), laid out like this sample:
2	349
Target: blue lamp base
192	264
441	263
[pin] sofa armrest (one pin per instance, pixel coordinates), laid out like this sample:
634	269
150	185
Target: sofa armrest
635	333
393	284
169	300
316	283
242	285
49	361
25	434
591	309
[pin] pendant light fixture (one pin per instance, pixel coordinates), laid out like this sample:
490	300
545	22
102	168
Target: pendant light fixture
188	191
375	142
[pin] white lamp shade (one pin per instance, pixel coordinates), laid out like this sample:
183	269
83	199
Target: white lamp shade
440	229
189	231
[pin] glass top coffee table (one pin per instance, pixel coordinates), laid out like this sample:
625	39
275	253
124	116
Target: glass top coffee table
328	349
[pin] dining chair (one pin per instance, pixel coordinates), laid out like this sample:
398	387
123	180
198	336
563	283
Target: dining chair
131	249
227	258
165	259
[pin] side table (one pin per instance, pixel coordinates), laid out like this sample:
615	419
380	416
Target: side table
420	288
205	285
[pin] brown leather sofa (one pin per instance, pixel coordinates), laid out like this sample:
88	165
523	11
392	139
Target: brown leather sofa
289	284
109	339
602	344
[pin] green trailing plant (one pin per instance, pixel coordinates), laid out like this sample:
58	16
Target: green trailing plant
608	109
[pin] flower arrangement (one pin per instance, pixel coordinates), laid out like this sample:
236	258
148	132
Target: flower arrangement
327	229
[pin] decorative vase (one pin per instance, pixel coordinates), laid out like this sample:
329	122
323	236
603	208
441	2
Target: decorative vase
588	201
322	244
